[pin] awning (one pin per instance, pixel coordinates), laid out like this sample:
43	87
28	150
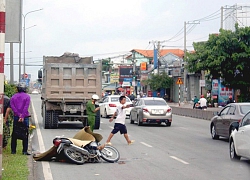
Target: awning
110	87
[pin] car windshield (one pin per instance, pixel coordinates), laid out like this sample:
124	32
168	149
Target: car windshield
155	103
116	99
244	109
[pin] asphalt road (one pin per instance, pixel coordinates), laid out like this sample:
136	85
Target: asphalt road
184	151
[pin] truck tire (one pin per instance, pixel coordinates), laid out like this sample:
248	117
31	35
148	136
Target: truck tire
50	119
97	119
47	118
54	121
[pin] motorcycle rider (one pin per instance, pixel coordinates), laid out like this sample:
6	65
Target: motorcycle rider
91	111
203	102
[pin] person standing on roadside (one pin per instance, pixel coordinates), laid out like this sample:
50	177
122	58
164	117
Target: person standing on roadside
195	100
19	103
120	121
91	111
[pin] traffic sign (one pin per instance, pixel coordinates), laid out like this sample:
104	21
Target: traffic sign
179	81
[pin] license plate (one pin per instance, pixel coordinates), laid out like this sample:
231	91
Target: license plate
157	111
72	111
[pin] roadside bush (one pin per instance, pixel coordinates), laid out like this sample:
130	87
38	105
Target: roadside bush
13	166
10	90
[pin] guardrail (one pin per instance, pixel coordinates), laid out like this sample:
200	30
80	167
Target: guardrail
195	113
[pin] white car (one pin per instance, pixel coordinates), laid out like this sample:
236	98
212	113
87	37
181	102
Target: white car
35	91
109	103
240	140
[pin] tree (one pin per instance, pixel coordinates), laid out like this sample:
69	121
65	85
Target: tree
225	55
157	81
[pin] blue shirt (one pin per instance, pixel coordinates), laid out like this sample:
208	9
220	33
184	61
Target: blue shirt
19	104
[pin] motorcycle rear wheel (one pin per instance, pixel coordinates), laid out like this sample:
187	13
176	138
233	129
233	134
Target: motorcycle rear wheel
110	154
73	155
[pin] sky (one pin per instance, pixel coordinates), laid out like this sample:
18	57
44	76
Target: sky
110	28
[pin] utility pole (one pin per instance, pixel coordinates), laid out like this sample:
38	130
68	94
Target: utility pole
158	52
159	55
134	80
184	58
185	89
20	62
222	14
11	64
221	18
24	19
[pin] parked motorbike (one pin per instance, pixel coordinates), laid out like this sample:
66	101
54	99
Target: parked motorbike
83	147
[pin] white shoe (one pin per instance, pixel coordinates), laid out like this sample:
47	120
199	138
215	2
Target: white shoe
108	143
131	142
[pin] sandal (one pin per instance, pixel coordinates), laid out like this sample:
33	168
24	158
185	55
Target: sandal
131	142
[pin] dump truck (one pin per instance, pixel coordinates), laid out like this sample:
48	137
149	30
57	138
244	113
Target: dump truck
68	82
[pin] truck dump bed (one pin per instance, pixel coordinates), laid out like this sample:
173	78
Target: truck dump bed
70	78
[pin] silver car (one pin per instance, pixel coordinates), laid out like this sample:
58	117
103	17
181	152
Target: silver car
225	121
151	110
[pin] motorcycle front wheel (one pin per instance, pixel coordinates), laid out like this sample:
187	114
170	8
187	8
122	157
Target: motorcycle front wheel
73	155
110	154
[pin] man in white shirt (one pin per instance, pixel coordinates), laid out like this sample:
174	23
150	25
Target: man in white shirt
203	102
120	121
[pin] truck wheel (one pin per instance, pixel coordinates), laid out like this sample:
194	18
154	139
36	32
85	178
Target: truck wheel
47	118
50	119
54	121
97	119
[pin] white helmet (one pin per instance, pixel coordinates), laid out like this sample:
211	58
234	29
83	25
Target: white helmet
95	97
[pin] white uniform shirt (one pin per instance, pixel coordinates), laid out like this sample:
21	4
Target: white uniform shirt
121	114
203	102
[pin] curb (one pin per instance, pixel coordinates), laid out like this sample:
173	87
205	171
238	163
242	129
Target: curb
30	162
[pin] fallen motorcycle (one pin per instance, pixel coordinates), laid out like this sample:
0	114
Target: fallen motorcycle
83	147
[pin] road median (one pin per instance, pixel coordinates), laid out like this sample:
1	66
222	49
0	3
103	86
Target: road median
187	110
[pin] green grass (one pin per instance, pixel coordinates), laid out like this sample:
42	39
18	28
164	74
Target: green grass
15	165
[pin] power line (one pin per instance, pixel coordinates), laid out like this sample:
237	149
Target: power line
209	16
198	38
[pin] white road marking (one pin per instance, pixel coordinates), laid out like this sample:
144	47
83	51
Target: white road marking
46	167
183	128
178	159
146	144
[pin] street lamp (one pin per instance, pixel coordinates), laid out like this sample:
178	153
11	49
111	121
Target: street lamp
24	16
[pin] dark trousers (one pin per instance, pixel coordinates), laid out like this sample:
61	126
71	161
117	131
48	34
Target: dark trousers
194	105
14	138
